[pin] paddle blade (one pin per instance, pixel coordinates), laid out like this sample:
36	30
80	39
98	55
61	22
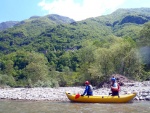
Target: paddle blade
77	96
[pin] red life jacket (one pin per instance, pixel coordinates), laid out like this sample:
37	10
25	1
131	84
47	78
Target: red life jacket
116	89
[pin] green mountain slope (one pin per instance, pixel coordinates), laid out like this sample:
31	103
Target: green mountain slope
121	23
126	22
61	33
26	31
92	49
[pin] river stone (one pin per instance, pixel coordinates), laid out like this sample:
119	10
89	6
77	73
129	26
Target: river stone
141	98
147	98
144	94
136	98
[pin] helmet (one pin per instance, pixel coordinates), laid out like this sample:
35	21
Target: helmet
87	82
113	79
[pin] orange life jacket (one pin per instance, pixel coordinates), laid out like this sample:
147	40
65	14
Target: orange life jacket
116	88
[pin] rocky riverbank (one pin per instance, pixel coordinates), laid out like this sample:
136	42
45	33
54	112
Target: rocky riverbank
58	94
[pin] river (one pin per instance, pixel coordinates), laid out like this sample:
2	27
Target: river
20	106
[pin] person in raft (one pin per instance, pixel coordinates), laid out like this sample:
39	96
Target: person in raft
115	87
88	89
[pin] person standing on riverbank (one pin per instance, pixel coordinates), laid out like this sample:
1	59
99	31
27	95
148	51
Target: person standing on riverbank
88	89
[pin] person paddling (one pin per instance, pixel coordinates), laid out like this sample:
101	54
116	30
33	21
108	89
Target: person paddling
88	89
115	87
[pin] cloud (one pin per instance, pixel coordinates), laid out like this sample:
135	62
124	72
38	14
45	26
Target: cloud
80	10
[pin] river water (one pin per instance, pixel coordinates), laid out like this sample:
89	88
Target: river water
17	106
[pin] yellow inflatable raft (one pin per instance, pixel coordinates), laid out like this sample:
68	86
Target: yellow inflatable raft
101	98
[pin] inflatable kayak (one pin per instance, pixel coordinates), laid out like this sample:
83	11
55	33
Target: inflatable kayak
100	98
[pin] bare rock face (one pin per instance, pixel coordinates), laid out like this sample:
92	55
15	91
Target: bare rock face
8	24
134	19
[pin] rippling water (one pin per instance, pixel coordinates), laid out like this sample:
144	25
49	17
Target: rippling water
15	106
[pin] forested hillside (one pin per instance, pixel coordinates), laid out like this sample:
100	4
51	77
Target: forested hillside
56	50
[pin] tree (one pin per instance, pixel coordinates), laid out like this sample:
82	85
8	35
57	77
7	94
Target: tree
126	59
35	72
144	43
27	68
144	38
104	61
86	59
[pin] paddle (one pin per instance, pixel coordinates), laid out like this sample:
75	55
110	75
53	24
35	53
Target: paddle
77	96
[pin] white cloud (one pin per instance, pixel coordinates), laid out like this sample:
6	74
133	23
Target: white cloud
80	11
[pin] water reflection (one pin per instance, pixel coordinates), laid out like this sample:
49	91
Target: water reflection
11	106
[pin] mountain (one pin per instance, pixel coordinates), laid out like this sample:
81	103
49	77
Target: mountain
55	32
94	48
36	25
48	19
126	22
6	25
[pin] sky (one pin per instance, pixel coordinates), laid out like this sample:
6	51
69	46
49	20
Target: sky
18	10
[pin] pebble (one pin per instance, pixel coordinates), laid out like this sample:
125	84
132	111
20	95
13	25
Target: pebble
58	94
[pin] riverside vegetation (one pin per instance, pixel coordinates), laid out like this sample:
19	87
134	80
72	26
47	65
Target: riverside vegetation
54	51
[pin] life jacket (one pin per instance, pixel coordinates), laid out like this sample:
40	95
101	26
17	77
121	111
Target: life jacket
90	89
115	87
